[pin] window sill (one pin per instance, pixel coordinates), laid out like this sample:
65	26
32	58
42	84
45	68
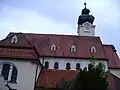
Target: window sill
68	68
55	67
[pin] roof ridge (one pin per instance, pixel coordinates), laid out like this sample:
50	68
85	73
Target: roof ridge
107	44
55	34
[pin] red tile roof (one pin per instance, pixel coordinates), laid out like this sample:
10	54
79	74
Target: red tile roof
18	53
51	78
43	42
20	50
114	82
113	59
22	41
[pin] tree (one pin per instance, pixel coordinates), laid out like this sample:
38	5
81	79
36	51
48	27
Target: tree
95	78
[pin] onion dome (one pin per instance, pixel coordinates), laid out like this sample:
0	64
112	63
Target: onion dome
85	17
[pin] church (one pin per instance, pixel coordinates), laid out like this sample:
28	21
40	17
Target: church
31	61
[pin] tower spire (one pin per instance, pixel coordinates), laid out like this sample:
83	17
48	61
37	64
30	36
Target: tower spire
85	3
85	17
85	23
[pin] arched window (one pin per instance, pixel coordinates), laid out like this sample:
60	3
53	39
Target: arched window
14	75
5	71
93	49
53	48
9	72
73	48
78	66
46	65
14	39
56	65
68	66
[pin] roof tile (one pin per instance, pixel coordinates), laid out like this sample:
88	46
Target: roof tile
51	78
18	53
113	59
22	41
42	45
43	42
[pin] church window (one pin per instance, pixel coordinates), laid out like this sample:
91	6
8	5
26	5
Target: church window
9	72
73	48
78	66
14	39
5	71
56	65
53	48
46	65
14	75
93	49
68	66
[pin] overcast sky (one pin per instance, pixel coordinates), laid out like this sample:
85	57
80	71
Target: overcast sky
60	17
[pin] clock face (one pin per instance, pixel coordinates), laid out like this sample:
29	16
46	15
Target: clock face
87	26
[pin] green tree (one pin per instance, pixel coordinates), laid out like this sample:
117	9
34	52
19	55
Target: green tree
95	78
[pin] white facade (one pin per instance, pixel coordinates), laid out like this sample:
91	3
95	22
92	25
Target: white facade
84	30
63	61
2	83
26	74
27	70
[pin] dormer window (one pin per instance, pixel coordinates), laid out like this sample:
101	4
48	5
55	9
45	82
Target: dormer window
14	39
93	49
73	48
53	48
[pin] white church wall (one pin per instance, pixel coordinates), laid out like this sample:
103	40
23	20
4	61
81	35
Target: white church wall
38	71
26	74
116	72
2	83
83	32
62	62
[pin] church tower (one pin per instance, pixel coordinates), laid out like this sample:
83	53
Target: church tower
85	23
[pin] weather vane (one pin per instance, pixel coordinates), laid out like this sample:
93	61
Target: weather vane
85	3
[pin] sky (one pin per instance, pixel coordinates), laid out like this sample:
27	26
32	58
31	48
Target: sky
60	17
